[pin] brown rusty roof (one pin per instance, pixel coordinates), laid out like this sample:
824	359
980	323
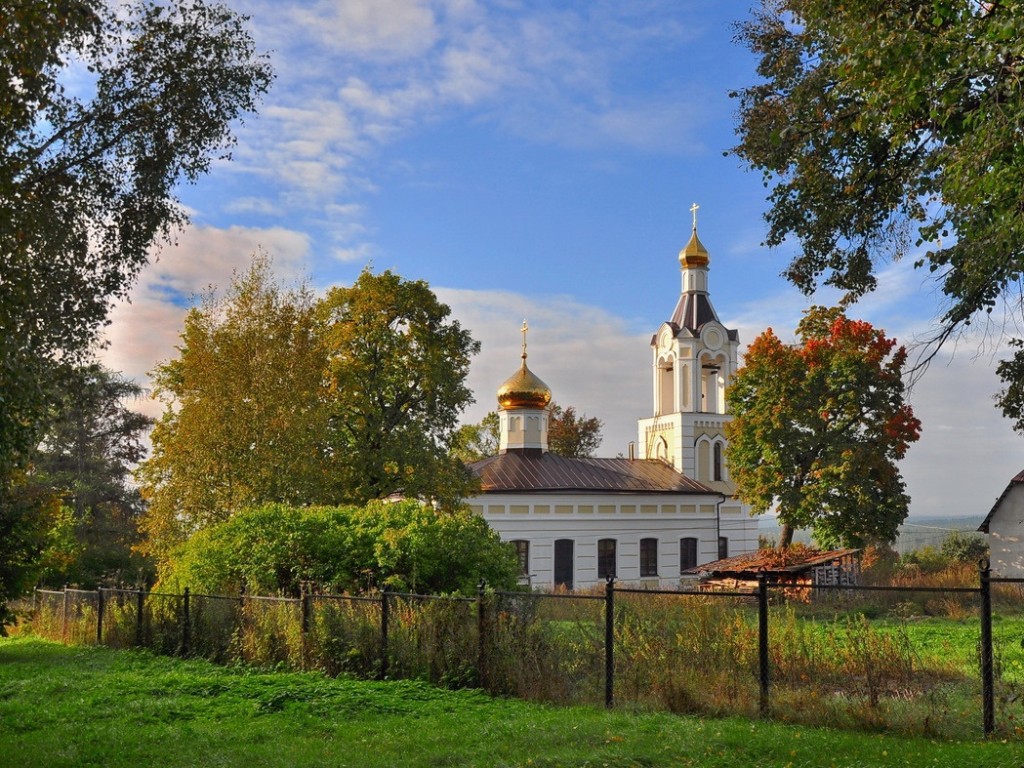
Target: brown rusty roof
519	471
797	561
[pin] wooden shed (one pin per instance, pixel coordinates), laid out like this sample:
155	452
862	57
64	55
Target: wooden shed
798	566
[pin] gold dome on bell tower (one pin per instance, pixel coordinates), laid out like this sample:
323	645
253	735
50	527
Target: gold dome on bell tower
694	254
524	388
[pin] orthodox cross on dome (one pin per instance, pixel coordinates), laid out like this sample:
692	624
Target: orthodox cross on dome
693	209
524	329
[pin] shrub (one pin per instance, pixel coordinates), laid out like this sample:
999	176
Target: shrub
405	546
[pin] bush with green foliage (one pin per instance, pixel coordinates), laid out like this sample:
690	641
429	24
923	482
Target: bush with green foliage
404	546
966	548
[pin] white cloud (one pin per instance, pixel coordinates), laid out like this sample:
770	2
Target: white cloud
386	29
144	330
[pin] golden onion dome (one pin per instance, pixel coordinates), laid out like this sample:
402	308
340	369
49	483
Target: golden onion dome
524	389
694	254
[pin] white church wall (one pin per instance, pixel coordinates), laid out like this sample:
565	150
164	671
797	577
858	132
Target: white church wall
585	520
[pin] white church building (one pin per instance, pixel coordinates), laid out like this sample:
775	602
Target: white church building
643	519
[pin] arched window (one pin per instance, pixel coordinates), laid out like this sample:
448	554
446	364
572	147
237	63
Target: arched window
606	559
687	553
703	459
666	388
661	449
648	557
717	463
523	553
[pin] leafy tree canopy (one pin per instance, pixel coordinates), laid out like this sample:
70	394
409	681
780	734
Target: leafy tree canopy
817	430
473	442
396	380
245	410
572	435
278	396
404	546
86	458
104	108
885	126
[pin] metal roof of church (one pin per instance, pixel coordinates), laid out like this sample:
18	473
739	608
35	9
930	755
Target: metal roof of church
693	310
519	471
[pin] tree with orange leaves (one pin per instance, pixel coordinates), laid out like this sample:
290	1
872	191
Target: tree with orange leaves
818	428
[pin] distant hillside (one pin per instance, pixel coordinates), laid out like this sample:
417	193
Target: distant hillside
915	533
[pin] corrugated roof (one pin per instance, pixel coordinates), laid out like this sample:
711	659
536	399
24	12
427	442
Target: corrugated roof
1017	479
517	471
768	561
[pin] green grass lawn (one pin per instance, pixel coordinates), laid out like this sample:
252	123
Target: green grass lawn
74	706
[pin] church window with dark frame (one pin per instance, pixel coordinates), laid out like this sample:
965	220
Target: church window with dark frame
606	559
687	553
648	557
723	547
717	463
523	553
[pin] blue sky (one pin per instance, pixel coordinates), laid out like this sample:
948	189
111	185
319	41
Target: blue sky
536	160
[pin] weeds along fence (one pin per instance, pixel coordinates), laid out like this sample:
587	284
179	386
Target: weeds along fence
942	660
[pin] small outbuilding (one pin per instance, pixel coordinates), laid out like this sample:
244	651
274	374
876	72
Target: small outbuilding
798	567
1004	525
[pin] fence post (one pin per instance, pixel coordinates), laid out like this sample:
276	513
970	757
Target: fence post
139	598
609	642
99	615
762	644
305	604
186	622
481	633
383	634
987	682
64	617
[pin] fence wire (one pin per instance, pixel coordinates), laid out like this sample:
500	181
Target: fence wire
910	659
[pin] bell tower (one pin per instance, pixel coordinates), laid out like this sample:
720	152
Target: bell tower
693	358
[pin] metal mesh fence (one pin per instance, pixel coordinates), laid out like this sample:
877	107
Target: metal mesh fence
932	660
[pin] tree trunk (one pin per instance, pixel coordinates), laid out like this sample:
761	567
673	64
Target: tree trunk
785	536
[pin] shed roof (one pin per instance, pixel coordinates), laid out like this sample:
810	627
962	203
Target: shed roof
767	561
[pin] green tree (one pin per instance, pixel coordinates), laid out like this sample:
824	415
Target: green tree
86	459
244	417
881	126
397	372
104	108
571	435
964	548
407	546
817	430
30	516
473	442
1010	399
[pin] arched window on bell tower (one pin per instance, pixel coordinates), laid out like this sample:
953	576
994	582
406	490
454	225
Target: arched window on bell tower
666	387
712	384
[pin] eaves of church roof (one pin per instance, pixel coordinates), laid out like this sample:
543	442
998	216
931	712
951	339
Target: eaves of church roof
518	472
